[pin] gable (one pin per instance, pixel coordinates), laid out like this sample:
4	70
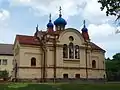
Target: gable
77	37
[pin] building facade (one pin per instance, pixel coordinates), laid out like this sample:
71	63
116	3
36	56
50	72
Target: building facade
6	58
58	54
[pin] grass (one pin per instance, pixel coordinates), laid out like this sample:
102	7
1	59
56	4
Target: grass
59	86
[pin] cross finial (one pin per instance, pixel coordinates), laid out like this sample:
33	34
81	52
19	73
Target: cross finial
84	23
60	11
50	17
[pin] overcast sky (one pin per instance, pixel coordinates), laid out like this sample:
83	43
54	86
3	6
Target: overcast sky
21	17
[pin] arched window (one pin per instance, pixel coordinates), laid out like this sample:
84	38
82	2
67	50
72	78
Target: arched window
71	50
77	52
93	64
62	28
71	38
33	61
58	28
65	51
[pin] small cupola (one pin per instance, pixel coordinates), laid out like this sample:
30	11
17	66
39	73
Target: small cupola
84	29
85	32
50	25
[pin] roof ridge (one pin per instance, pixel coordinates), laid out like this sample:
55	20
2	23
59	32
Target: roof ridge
5	44
24	35
98	47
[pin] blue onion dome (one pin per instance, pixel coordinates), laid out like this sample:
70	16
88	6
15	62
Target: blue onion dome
50	24
84	29
60	21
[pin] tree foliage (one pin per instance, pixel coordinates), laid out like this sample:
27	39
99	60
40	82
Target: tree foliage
113	67
116	56
112	6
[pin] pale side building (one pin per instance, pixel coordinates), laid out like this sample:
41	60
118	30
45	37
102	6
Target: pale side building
58	54
6	58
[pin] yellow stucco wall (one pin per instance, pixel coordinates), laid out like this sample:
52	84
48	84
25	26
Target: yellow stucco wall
26	52
50	56
9	66
96	73
29	73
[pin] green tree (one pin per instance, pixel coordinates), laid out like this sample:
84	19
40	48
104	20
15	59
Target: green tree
116	57
112	6
108	58
113	67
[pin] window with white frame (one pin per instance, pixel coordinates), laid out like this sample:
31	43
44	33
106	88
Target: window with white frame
71	51
65	51
93	64
4	62
77	52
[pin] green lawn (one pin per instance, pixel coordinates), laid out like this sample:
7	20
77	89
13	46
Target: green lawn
59	86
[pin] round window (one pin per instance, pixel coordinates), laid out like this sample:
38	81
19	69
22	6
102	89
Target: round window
71	38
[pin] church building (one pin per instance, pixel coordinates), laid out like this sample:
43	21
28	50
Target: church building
58	53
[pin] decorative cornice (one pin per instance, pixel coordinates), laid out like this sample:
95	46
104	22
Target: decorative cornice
60	68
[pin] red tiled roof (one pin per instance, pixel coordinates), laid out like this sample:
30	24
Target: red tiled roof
32	40
29	40
95	47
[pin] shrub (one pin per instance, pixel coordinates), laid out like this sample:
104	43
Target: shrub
4	75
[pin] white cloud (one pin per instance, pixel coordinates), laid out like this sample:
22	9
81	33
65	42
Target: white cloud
93	13
5	32
101	32
40	7
4	14
102	29
88	9
6	35
104	35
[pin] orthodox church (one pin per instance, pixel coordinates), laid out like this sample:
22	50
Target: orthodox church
58	54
